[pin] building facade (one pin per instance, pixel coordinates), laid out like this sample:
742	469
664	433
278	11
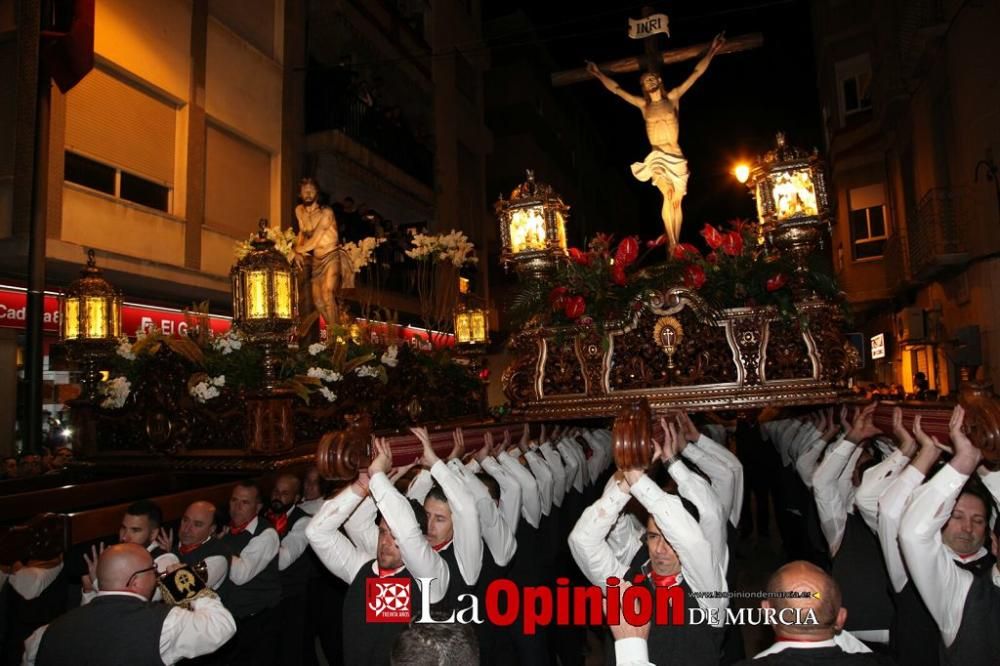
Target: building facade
185	133
911	102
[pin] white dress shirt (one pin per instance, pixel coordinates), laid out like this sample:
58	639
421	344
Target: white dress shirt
543	475
467	540
255	556
185	634
312	506
874	482
30	582
337	552
510	492
420	559
597	561
711	513
808	460
942	585
493	528
601	454
420	486
294	544
725	471
555	464
573	461
632	651
361	527
833	500
531	500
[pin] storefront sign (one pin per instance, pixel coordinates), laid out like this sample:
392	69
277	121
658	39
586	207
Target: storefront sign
878	346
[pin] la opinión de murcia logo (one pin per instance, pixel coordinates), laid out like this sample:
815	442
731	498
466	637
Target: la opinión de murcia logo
388	600
539	606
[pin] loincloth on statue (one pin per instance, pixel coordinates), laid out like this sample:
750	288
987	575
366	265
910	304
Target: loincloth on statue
338	261
659	164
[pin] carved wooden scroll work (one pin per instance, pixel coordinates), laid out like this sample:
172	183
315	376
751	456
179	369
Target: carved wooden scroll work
982	418
342	454
632	436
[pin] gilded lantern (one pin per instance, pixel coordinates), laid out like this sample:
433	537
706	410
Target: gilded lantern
265	296
90	308
471	326
532	227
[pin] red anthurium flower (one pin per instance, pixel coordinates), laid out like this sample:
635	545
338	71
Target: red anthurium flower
574	307
776	282
712	236
577	256
484	374
684	251
618	274
732	243
557	297
712	258
662	240
694	276
627	252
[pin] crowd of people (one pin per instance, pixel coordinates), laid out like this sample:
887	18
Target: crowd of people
891	556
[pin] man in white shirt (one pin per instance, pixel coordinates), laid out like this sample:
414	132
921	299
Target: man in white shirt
402	550
252	590
800	641
121	626
676	553
946	524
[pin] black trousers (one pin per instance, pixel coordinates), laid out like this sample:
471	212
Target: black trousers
255	642
292	629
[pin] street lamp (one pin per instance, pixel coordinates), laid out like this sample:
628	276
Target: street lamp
532	227
90	322
789	185
742	172
265	299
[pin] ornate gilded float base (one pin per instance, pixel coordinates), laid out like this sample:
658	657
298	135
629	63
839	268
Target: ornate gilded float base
677	353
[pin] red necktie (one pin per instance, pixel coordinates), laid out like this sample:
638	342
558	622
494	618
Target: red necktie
280	521
441	546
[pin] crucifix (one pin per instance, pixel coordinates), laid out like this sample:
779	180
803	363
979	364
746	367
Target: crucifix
665	167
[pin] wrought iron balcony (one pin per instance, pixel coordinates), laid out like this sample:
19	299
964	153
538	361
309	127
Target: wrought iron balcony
933	238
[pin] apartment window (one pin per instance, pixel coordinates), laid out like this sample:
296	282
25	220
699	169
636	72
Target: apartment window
854	78
237	183
869	230
120	140
113	181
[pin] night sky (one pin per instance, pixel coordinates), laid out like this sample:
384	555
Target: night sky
732	112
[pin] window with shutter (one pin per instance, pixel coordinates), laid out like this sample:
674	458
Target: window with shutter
237	183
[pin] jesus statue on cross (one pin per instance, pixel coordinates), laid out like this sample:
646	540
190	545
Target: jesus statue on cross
665	165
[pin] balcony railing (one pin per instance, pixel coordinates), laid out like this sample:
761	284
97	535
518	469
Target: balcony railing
933	240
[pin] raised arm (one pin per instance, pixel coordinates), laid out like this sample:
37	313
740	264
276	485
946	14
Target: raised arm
332	547
700	68
587	540
612	86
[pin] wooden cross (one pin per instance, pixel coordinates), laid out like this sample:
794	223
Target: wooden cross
635	63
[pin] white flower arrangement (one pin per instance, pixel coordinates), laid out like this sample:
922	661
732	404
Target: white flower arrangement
227	343
361	253
328	394
316	348
205	390
454	247
284	242
124	349
389	358
324	375
115	392
367	371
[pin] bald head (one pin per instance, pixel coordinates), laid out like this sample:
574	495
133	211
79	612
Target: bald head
118	565
819	593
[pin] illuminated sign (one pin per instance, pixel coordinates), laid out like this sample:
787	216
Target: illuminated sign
878	346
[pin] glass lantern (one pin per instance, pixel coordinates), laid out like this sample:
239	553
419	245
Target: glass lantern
471	327
532	227
265	299
793	207
90	322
